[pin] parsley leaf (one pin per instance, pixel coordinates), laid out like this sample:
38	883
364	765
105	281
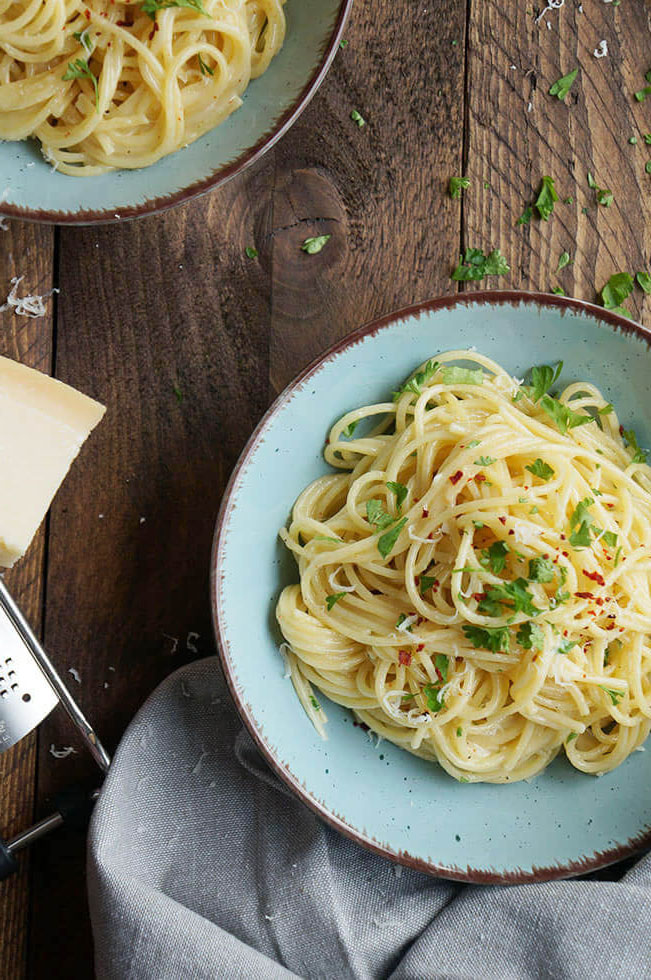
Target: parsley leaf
377	515
526	216
495	556
580	512
609	537
604	197
564	417
581	537
347	433
485	461
496	640
151	7
434	700
642	93
456	185
84	39
315	704
644	281
530	636
400	491
462	376
358	118
314	245
562	86
332	599
401	618
542	378
420	378
515	596
615	696
566	646
386	542
540	469
541	570
79	68
250	252
474	265
203	67
639	455
442	663
544	204
564	259
558	291
425	582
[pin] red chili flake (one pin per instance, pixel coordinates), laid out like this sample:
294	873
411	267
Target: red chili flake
564	632
621	430
480	477
454	479
87	14
438	673
599	601
404	657
327	437
565	554
610	506
562	537
421	646
591	612
610	626
545	556
596	577
479	596
502	520
584	595
430	535
425	512
511	531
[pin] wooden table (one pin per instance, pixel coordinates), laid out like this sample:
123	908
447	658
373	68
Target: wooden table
187	340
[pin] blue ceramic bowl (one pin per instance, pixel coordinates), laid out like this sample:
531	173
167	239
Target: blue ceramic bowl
32	190
562	823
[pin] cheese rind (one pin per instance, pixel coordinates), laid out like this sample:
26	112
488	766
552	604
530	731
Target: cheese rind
43	425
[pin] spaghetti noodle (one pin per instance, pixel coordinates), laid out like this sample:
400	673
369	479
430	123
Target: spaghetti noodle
113	84
475	581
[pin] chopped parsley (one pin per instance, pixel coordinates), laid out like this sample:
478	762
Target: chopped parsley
606	410
250	252
416	382
541	570
177	391
484	638
474	265
644	281
526	216
425	582
542	377
513	595
315	704
544	203
495	556
566	646
343	44
348	432
400	490
324	537
151	7
642	93
401	618
474	444
79	68
358	118
530	636
609	537
386	542
377	515
558	291
442	663
84	39
540	469
564	416
639	455
314	245
203	67
562	86
564	259
615	696
571	737
332	599
459	732
435	701
462	376
456	185
485	461
581	522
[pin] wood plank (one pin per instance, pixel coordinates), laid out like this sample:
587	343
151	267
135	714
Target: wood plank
379	190
24	250
148	309
517	132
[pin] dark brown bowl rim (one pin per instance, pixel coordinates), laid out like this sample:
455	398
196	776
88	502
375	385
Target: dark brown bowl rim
157	205
599	859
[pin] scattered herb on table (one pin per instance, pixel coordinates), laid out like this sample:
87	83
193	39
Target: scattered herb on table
617	289
250	252
456	185
562	86
563	261
544	203
358	118
314	245
644	281
474	265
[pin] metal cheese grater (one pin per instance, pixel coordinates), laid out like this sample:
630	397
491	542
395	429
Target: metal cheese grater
30	689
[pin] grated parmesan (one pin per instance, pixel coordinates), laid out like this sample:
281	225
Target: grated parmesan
332	582
75	674
33	306
62	753
601	51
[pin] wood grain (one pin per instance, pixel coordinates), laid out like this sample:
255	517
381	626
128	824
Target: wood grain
379	190
24	250
517	132
179	354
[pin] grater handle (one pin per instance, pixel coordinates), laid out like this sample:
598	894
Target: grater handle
23	629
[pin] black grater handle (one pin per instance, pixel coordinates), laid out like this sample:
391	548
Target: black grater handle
8	863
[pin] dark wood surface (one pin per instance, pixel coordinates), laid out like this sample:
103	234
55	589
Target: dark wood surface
186	340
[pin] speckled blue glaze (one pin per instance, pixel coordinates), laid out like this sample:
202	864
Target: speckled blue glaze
561	823
30	188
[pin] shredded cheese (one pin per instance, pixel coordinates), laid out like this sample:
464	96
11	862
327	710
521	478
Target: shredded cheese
33	306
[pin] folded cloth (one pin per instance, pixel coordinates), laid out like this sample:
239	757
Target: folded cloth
203	865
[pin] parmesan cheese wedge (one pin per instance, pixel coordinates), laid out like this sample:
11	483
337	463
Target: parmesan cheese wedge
43	425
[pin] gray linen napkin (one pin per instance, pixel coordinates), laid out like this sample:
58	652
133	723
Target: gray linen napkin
202	865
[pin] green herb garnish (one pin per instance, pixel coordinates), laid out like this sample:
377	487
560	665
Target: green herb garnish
387	541
332	599
513	595
416	382
564	259
315	704
639	455
314	245
151	7
79	68
644	281
566	646
377	515
442	663
485	461
462	376
495	556
615	696
540	469
562	86
84	39
564	416
434	699
250	252
347	433
456	185
496	640
526	216
203	67
530	636
544	203
400	491
541	570
474	265
358	118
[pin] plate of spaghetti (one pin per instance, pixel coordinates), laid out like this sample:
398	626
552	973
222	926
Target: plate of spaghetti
445	649
149	101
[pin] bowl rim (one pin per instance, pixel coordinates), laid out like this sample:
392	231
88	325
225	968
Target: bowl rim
251	155
599	859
